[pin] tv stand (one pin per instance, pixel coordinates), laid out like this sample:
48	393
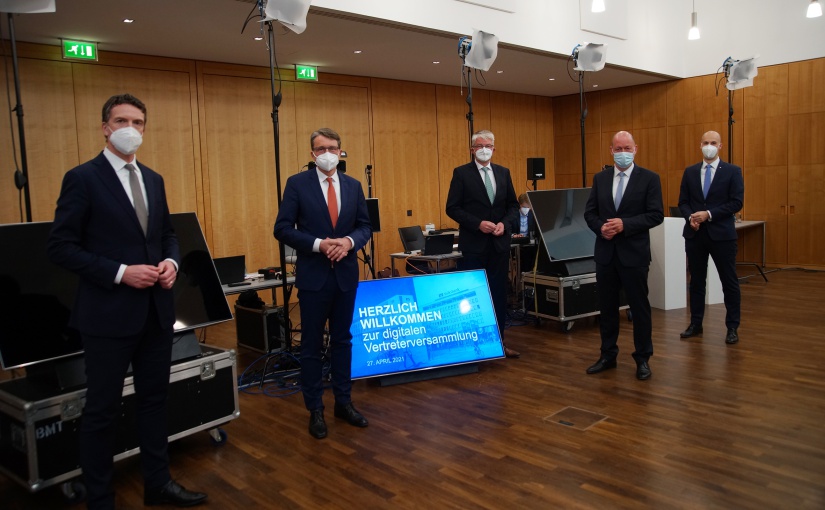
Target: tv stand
425	375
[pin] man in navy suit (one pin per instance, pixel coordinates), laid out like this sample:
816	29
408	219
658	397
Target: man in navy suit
710	194
624	204
324	216
112	228
483	203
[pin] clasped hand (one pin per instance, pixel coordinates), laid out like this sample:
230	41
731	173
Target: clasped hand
488	227
335	249
142	276
612	227
697	218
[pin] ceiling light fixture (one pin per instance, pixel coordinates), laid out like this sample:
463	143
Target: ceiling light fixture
128	20
597	6
259	38
357	52
436	61
693	34
814	9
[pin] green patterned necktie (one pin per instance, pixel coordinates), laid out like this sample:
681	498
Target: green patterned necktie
488	184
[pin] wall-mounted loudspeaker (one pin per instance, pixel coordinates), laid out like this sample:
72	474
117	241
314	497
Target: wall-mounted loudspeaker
535	169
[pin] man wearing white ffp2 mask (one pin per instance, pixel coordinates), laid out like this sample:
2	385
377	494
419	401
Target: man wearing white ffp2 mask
711	193
483	202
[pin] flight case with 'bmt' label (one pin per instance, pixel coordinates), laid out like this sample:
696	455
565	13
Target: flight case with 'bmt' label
40	423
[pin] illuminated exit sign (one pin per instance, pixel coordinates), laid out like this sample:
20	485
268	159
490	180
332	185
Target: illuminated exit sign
79	50
309	73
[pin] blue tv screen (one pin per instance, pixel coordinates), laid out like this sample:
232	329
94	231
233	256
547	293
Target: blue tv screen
423	322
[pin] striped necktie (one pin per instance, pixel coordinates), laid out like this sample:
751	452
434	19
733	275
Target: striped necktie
488	184
137	196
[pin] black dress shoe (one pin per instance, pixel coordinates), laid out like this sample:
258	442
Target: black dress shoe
510	353
317	425
601	366
692	330
732	337
172	494
349	413
643	371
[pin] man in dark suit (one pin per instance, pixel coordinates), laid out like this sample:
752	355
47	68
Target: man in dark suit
324	216
625	203
112	228
525	222
710	194
483	203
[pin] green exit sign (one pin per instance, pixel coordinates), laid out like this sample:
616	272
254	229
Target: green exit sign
306	72
79	50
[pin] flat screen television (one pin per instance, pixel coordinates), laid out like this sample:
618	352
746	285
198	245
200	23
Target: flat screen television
423	322
36	296
559	217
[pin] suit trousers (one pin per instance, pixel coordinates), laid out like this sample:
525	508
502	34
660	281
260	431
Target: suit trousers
698	248
107	361
332	304
497	266
610	279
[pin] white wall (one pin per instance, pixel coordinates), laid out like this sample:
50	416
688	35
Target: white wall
776	30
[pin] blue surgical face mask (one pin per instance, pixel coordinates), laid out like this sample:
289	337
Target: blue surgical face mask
525	210
623	159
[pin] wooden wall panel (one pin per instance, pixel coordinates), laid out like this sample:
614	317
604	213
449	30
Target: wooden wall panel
239	153
49	125
513	120
545	147
404	129
650	105
806	214
616	110
805	81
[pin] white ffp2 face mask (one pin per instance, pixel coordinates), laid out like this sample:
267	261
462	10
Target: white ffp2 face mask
484	154
710	151
327	161
126	140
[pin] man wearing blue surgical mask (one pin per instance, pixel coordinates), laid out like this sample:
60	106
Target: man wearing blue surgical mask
625	203
710	194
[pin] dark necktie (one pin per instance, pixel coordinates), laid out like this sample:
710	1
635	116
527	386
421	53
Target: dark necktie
332	203
708	178
137	196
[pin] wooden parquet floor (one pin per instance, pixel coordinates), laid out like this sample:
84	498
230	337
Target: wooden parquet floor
716	426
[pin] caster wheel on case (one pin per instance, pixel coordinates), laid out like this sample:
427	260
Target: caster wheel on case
218	436
74	491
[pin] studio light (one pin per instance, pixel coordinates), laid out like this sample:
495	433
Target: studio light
34	6
693	34
597	6
479	52
741	73
590	57
814	9
289	13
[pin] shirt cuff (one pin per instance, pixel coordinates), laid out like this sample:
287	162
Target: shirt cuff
119	275
351	242
710	216
316	246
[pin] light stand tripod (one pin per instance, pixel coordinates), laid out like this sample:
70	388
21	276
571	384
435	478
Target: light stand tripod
728	64
582	117
21	177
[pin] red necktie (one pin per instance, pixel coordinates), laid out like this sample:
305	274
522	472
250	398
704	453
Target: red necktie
332	203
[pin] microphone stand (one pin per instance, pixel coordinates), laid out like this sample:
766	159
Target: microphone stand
371	257
21	177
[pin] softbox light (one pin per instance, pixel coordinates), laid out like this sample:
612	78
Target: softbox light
741	74
27	6
483	49
590	56
289	13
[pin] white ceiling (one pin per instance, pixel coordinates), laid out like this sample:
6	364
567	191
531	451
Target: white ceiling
210	30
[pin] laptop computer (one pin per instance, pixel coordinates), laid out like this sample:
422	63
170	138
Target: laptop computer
412	238
441	244
231	270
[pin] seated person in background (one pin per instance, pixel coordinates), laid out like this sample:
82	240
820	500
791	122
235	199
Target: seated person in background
525	222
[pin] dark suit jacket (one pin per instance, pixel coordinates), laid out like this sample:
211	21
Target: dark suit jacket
469	205
304	216
96	230
725	197
641	209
